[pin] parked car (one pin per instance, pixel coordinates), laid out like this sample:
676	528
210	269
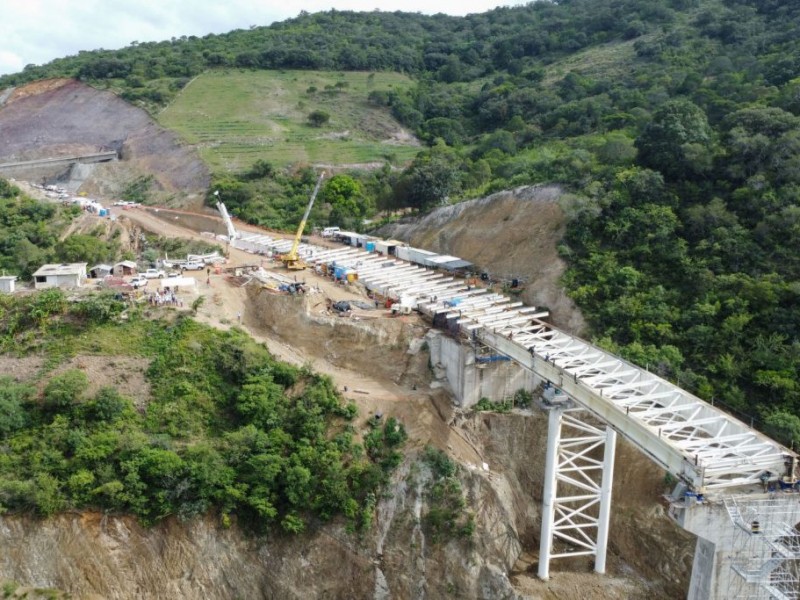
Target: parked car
139	281
174	274
192	265
154	274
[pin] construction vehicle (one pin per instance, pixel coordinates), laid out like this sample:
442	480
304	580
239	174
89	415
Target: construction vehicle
291	260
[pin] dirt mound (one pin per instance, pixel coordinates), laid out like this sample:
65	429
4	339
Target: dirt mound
509	234
63	117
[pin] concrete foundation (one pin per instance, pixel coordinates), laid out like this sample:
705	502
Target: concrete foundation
722	545
471	377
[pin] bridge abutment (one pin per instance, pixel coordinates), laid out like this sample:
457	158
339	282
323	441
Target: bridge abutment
471	377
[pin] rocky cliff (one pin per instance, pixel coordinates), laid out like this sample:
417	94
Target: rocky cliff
91	555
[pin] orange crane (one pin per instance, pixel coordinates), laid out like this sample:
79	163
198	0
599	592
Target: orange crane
291	260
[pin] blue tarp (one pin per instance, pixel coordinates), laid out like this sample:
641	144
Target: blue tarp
370	246
491	359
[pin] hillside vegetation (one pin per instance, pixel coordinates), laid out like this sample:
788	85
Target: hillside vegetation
227	428
675	126
235	118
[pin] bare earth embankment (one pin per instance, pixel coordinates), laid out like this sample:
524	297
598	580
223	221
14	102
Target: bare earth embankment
62	117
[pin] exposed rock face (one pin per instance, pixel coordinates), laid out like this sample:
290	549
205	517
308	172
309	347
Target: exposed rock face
513	233
93	556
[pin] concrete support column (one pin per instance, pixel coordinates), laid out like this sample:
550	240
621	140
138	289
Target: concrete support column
603	519
549	495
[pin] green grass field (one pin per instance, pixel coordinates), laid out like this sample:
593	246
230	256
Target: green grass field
237	117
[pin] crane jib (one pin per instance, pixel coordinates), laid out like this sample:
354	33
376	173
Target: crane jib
293	252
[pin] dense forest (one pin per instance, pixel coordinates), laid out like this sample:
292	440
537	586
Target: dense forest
673	126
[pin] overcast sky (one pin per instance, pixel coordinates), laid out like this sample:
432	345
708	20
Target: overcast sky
37	31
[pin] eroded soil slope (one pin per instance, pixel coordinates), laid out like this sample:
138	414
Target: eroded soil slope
63	117
509	234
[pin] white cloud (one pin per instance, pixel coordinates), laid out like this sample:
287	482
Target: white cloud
38	31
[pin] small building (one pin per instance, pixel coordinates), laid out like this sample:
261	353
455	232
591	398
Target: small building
387	247
125	267
100	271
449	263
7	283
66	275
351	238
414	255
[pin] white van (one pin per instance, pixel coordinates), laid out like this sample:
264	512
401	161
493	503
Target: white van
330	231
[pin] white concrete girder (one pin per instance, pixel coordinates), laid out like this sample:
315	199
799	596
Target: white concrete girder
478	308
423	285
496	307
381	271
439	304
424	290
440	307
374	272
399	278
516	320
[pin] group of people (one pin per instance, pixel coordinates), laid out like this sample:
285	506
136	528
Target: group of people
166	297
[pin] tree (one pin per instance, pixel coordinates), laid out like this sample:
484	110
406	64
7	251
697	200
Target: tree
785	426
12	412
259	170
7	190
84	248
318	118
432	178
346	198
66	389
678	140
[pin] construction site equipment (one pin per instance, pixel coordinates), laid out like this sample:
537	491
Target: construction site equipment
232	234
291	260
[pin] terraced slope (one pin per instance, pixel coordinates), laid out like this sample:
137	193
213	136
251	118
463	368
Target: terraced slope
237	117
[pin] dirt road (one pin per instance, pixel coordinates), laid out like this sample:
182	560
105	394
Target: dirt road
426	413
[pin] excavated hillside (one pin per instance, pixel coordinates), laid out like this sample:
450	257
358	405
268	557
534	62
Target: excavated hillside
384	362
510	234
63	118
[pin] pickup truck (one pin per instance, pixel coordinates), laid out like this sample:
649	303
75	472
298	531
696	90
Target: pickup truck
192	266
138	281
154	274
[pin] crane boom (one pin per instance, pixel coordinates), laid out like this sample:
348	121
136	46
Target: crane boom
290	260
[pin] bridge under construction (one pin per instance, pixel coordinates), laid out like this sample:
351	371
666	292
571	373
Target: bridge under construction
736	488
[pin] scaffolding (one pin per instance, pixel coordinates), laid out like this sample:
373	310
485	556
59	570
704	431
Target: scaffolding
765	555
